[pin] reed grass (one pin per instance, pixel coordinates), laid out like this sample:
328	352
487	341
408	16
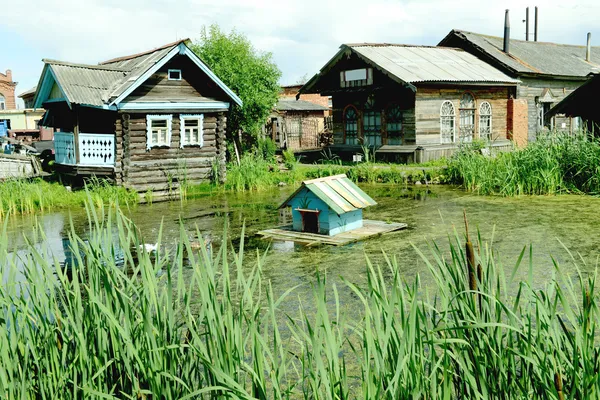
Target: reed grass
19	196
556	163
181	325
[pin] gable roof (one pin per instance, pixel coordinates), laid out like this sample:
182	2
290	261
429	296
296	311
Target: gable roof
528	57
412	65
337	191
110	82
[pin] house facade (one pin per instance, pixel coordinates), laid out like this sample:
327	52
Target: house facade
548	72
7	91
414	103
150	121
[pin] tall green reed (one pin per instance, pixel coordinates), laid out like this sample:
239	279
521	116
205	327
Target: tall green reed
185	324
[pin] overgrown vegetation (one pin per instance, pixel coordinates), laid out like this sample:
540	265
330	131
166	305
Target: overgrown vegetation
205	325
556	163
37	195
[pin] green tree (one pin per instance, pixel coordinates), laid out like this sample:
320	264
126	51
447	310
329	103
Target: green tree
250	73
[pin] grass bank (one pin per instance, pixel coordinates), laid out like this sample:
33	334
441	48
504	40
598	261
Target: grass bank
37	195
206	325
558	163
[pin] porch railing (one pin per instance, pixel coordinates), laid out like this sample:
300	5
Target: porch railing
64	148
94	149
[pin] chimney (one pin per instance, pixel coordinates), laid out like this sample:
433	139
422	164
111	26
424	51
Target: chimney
588	49
527	23
9	75
535	26
506	33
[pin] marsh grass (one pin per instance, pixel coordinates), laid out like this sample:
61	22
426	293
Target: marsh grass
31	196
556	163
183	324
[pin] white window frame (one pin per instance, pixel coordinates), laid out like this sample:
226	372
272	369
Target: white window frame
481	106
174	70
2	102
453	116
182	119
153	117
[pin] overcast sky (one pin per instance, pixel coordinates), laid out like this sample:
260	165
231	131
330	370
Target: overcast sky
301	34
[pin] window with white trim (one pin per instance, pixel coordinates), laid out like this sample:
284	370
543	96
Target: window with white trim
158	131
467	118
191	130
2	103
485	121
447	122
174	74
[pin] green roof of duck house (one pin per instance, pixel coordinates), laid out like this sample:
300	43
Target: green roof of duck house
338	192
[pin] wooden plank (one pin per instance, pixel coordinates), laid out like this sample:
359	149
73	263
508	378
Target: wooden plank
339	200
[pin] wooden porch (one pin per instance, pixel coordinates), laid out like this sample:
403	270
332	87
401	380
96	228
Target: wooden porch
85	153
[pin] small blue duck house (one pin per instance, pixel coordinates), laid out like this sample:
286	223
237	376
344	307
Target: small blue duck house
328	206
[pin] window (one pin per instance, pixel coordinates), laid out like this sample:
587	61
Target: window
2	103
371	123
467	118
191	130
393	124
447	123
350	125
485	121
158	131
174	74
356	77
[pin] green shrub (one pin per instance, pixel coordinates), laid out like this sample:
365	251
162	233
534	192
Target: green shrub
266	149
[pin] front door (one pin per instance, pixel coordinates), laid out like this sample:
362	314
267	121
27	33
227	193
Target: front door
310	221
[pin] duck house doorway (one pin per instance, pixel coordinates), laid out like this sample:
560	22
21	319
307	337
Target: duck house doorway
310	221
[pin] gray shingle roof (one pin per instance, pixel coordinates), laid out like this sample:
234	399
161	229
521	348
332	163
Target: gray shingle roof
421	64
86	84
534	57
292	104
98	85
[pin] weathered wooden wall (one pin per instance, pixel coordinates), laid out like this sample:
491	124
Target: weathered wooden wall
394	94
429	102
532	88
164	168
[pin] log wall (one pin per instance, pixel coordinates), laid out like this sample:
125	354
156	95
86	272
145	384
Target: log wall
165	168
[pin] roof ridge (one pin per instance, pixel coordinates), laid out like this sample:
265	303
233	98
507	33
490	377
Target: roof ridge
521	40
88	66
132	56
366	44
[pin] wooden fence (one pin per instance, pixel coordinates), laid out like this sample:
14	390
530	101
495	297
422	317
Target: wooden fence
296	133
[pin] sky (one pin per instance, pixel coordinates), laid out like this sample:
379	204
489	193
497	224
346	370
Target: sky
302	35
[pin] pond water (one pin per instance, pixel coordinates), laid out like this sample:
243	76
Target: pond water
551	224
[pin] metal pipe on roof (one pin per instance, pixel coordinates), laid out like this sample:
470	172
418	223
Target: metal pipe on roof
527	23
588	49
506	33
535	26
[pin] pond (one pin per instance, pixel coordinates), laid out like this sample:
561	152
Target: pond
551	224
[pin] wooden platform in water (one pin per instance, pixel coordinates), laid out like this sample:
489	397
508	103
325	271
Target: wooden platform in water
370	229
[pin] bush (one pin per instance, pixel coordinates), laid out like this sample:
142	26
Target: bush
266	149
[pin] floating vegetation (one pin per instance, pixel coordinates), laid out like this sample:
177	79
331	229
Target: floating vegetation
202	323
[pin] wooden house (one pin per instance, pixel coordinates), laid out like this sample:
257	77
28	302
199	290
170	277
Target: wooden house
328	206
548	72
149	120
413	103
297	124
582	103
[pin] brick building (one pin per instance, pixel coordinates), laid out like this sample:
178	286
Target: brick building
7	91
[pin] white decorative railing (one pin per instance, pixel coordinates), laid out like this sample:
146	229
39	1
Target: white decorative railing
64	148
96	150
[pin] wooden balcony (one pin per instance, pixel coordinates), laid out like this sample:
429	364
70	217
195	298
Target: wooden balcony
86	154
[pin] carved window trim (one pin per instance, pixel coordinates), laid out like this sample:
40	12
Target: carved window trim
356	122
150	121
193	141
